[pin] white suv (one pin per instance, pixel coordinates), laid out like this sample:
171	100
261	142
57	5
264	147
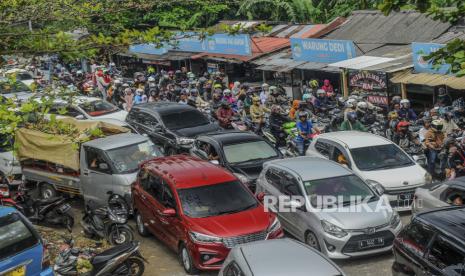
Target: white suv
377	160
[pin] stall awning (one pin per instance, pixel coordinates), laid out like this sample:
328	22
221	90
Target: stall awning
360	62
408	77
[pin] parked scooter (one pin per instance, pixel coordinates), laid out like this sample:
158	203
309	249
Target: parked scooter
121	260
109	222
51	211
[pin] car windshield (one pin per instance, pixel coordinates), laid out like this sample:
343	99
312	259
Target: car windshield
23	76
347	189
98	107
15	236
184	119
214	200
127	159
249	151
13	87
380	157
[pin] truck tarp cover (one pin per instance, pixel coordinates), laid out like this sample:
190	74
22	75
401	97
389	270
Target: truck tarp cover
59	149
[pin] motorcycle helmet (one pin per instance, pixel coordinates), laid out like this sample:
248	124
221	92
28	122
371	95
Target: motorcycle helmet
393	115
320	92
194	92
437	125
255	99
225	103
403	126
351	103
274	90
275	109
303	114
151	79
362	106
306	97
405	103
117	81
396	100
227	92
352	117
265	85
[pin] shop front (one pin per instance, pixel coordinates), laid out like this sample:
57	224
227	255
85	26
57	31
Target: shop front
370	83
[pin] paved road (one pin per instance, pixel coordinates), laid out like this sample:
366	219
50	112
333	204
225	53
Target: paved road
163	262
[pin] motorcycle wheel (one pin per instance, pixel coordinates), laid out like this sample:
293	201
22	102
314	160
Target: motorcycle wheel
132	266
68	221
119	236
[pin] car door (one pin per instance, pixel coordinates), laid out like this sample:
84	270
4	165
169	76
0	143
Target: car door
270	186
291	190
96	176
321	148
151	196
171	226
444	257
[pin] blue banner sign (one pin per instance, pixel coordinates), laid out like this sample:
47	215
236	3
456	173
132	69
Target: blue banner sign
322	50
419	50
190	42
147	49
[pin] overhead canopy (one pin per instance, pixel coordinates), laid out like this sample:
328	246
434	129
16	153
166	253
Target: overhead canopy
408	77
360	62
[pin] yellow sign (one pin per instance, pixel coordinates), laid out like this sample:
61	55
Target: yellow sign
20	271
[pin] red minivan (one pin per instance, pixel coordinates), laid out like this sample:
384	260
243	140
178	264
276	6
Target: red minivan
199	210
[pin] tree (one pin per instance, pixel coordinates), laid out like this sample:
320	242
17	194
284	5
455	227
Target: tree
447	11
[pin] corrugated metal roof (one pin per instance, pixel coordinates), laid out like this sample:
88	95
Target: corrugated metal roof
360	62
451	35
402	27
429	79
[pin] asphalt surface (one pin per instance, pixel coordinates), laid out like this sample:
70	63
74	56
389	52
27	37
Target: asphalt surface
164	262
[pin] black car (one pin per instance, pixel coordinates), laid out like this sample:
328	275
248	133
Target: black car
242	153
173	126
432	244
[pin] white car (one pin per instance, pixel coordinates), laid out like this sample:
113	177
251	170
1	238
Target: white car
21	75
10	167
88	108
377	160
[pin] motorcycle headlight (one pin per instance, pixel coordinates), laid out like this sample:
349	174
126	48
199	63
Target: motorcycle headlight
199	237
333	229
242	178
184	141
428	178
275	226
395	220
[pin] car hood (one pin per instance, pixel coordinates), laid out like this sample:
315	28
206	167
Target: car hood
398	178
237	224
194	131
359	220
127	178
118	115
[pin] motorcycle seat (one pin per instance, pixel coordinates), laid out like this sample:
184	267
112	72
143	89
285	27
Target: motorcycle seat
111	253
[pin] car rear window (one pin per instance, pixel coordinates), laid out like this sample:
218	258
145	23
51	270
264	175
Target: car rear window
15	236
184	119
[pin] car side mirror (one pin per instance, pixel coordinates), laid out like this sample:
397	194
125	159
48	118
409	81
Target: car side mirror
379	189
261	196
103	166
169	212
79	117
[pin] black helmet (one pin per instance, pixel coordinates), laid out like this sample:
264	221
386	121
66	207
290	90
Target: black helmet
352	116
303	114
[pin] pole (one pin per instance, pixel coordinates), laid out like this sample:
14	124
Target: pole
403	90
345	84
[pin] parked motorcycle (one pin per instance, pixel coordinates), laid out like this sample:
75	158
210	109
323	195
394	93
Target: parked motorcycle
109	222
50	211
120	260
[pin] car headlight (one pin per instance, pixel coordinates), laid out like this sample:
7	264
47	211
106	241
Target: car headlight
184	141
395	219
275	226
198	237
333	229
377	186
428	178
242	178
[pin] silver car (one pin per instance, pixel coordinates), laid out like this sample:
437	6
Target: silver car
345	229
278	257
437	195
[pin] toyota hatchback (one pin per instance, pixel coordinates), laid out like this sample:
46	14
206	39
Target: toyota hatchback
199	210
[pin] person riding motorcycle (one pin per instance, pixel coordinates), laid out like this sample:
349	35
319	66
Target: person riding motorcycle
257	113
328	88
352	123
293	110
406	112
228	96
365	114
403	136
320	102
305	128
264	94
194	96
449	126
275	97
276	121
434	143
351	106
224	114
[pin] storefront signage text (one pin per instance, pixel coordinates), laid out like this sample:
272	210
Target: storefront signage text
419	50
368	81
322	50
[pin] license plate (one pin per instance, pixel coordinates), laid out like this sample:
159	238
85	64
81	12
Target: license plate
406	196
64	208
375	242
20	271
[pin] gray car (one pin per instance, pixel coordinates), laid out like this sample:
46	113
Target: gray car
278	257
345	229
439	195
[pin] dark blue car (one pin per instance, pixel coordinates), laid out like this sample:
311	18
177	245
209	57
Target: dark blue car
22	252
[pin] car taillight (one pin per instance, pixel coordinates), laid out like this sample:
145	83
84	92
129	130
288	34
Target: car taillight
45	258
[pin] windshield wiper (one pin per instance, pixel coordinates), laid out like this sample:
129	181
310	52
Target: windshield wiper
253	160
237	210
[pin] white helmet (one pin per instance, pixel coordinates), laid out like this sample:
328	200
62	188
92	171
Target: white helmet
117	81
139	91
405	103
226	92
362	105
351	103
151	79
265	85
320	91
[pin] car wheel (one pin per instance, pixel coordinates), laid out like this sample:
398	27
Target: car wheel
312	240
47	191
143	231
186	260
